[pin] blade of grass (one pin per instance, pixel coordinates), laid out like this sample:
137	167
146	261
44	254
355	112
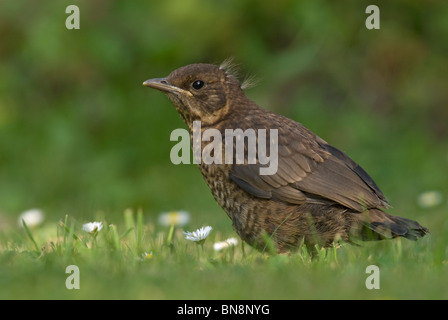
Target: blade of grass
139	230
129	218
30	235
169	239
71	233
269	245
69	244
114	237
124	234
269	241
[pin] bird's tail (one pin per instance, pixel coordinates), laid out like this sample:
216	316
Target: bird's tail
376	225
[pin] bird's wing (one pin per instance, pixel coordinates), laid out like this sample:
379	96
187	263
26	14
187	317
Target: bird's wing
309	169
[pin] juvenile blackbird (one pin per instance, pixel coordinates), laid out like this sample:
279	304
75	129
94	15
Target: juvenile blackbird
318	195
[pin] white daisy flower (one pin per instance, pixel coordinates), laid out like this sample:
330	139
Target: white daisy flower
198	235
429	199
174	218
92	227
146	256
218	246
32	217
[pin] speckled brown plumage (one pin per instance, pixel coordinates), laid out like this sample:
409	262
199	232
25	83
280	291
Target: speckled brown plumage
318	194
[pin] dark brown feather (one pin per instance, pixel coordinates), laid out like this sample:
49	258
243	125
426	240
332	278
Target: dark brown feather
317	169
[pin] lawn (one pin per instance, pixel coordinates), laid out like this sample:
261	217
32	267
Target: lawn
135	258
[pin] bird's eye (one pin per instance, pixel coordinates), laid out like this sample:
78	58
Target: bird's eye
197	84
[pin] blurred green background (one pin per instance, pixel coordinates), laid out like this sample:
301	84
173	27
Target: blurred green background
79	134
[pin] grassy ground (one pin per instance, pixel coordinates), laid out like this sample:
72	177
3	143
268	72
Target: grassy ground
113	265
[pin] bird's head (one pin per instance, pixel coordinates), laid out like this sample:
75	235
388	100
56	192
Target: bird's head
200	92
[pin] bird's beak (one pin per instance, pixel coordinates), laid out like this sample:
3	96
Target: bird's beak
163	85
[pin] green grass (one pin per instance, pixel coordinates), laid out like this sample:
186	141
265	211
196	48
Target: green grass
112	266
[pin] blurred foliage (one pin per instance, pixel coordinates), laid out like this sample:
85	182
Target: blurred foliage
79	133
